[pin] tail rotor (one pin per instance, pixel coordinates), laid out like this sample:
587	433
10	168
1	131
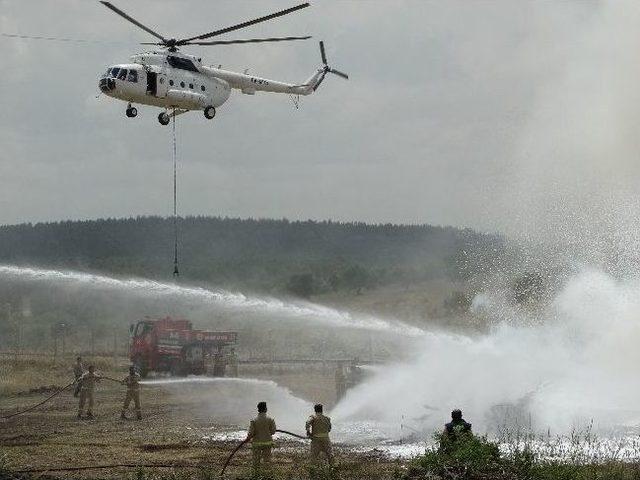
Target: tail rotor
327	68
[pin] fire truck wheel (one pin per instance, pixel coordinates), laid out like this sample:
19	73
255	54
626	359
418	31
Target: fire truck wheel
177	369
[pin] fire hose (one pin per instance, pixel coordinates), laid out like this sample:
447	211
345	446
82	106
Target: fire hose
246	440
38	404
58	392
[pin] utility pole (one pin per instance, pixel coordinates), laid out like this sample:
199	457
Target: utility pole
115	348
54	334
26	314
63	329
11	320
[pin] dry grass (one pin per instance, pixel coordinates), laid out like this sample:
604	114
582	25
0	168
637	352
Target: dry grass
22	373
51	435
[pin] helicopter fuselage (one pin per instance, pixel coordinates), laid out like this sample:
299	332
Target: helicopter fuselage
166	81
179	82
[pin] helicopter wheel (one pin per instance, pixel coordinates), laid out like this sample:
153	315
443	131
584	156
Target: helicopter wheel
131	112
209	112
164	118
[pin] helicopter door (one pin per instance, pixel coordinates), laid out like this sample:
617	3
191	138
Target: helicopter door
152	83
161	85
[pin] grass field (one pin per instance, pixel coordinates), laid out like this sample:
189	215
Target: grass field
178	438
172	431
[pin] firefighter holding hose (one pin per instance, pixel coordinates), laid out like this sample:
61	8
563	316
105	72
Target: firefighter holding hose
87	384
318	427
261	430
78	370
132	381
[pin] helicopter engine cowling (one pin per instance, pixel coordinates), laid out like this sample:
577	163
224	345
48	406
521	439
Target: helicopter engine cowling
186	99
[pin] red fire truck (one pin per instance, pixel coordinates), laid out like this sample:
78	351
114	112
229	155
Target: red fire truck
172	345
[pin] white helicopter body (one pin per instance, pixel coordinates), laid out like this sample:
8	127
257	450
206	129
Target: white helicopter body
179	83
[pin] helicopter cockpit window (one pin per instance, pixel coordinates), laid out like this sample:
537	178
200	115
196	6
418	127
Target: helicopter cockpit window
114	72
123	74
181	63
133	76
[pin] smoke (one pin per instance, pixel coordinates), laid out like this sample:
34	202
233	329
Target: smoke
578	365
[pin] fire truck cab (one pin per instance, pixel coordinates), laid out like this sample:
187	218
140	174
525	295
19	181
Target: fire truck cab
172	345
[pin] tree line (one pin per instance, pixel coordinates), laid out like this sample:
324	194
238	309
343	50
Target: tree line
302	257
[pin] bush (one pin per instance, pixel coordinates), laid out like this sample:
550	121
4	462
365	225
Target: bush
471	457
476	458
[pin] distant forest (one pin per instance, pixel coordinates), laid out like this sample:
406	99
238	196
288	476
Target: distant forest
301	257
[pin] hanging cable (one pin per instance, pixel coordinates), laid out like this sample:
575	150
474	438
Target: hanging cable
176	272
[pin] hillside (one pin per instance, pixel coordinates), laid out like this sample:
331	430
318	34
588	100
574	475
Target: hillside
268	255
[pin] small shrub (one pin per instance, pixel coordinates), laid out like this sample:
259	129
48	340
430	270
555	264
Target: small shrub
469	457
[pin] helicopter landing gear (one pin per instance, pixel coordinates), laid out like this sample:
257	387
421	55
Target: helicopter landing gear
131	111
209	112
164	118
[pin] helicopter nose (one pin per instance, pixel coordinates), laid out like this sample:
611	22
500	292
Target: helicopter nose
106	84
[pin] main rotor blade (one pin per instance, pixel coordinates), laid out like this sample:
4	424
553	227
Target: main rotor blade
59	39
324	56
243	24
133	20
340	74
248	40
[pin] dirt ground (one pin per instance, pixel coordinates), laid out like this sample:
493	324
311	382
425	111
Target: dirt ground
174	430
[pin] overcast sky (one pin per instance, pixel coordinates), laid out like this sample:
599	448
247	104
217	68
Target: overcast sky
489	114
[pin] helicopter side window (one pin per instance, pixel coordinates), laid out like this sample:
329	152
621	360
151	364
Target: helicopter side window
123	74
114	72
171	82
202	88
191	86
182	84
133	76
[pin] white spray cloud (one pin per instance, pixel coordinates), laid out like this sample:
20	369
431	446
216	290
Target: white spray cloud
579	365
233	401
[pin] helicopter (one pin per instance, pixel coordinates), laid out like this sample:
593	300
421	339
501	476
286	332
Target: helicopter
180	83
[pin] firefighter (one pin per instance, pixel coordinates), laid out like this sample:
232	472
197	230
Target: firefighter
318	427
261	430
454	431
132	381
232	361
87	383
78	370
